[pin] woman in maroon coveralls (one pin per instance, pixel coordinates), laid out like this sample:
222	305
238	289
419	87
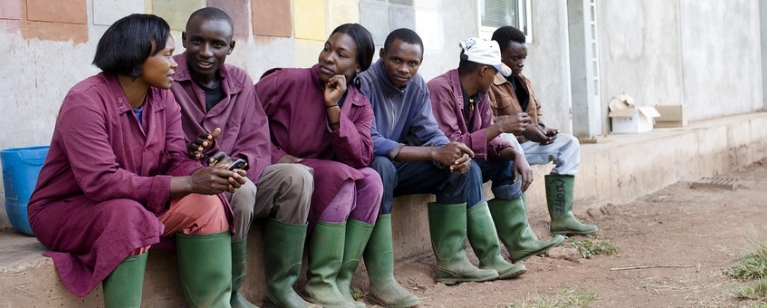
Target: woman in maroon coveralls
117	178
318	118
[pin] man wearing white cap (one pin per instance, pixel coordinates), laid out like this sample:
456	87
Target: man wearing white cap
461	107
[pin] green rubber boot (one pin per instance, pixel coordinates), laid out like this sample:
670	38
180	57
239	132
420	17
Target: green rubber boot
326	252
510	218
484	240
447	227
122	288
559	197
283	258
357	235
379	260
239	269
205	264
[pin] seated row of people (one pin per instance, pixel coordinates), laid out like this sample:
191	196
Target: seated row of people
152	148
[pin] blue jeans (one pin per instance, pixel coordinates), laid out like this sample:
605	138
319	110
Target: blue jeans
500	172
418	177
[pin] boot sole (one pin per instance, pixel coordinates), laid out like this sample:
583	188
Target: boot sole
454	281
406	303
571	232
512	274
377	301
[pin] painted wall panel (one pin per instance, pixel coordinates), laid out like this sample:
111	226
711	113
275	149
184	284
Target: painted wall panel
375	17
341	12
310	19
10	9
62	11
175	12
272	18
106	12
238	11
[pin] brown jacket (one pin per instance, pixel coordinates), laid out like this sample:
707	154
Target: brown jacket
503	99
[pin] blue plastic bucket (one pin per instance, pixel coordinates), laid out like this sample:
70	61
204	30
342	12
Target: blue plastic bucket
20	169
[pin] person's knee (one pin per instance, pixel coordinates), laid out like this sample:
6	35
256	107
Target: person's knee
244	199
297	176
385	169
211	218
474	173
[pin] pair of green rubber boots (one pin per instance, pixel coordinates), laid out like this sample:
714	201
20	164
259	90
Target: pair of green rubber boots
450	225
484	224
335	251
209	281
205	273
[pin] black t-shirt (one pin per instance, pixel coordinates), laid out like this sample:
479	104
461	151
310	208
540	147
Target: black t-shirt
522	95
469	102
212	95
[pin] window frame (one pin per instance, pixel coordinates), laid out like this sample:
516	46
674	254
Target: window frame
524	20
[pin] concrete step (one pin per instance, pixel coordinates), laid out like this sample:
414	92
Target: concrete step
616	169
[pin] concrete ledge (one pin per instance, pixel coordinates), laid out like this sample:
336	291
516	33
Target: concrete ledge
617	169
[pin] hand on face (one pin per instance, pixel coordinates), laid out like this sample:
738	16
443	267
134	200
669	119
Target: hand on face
334	89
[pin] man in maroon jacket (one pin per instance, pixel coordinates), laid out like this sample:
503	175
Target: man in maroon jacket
223	121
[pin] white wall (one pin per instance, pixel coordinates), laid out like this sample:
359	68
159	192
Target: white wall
721	57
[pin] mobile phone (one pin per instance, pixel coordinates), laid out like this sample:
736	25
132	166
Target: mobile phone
552	133
238	164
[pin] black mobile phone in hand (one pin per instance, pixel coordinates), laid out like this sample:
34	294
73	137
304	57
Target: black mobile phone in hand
552	133
238	164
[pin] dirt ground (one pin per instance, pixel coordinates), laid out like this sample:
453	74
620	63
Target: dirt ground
688	236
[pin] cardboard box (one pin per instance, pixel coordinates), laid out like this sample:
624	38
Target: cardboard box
671	116
627	118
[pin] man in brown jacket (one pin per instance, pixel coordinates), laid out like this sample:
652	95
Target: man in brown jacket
540	144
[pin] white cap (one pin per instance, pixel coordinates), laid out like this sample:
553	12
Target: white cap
484	52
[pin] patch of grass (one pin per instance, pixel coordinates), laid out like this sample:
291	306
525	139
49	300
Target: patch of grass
757	292
751	265
565	298
594	246
357	294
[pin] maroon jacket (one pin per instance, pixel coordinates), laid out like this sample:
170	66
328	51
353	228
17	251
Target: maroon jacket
447	106
244	127
294	102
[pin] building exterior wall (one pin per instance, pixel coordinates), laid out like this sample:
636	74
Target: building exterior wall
650	49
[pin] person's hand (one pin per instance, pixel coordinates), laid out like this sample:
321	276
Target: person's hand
289	159
514	124
535	133
236	179
203	142
334	89
220	159
522	168
551	135
213	180
452	154
461	165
